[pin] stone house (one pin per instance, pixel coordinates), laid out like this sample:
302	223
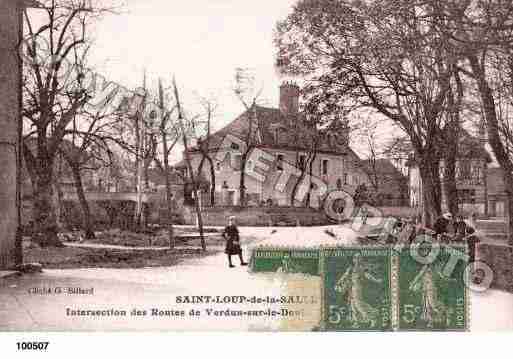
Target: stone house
11	30
281	154
497	205
471	177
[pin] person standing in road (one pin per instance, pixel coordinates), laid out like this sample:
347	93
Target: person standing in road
231	234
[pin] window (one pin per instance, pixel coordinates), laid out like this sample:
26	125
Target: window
324	167
477	174
279	162
466	195
301	162
463	170
345	178
237	161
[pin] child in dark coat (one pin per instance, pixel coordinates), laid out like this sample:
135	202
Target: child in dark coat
231	234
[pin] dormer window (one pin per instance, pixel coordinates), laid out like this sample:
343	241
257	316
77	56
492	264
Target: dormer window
324	169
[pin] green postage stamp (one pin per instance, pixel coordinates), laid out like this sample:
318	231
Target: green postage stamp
432	292
305	261
357	289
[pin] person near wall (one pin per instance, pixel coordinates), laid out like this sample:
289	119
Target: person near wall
443	226
460	229
231	235
472	237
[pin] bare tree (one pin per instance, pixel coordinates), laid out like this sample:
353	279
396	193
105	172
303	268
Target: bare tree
90	146
210	107
190	169
481	32
367	134
450	139
169	137
53	95
379	55
248	96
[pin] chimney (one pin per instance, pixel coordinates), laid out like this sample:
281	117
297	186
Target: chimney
289	98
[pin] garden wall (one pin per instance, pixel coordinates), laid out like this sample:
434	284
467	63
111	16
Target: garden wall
258	216
500	258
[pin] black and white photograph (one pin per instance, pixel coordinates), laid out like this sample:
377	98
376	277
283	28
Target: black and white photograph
255	166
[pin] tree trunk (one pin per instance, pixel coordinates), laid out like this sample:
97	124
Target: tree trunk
242	183
169	196
59	203
508	180
86	211
451	144
492	128
212	182
298	182
449	185
310	172
44	212
431	191
169	214
296	188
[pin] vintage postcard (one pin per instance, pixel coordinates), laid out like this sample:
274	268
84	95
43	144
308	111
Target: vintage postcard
256	166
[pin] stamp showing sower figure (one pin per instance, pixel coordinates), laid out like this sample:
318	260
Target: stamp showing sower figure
296	261
357	289
432	290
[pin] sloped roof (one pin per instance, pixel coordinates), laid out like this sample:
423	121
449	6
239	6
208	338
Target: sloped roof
269	119
382	166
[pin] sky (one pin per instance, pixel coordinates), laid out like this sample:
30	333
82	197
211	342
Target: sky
200	42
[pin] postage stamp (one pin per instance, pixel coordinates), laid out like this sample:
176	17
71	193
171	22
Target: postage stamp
432	292
305	261
357	289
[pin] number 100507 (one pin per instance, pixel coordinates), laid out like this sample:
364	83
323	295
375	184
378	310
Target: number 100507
40	346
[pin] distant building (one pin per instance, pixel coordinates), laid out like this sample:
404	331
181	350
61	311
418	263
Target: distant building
275	131
497	199
471	177
11	29
388	185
